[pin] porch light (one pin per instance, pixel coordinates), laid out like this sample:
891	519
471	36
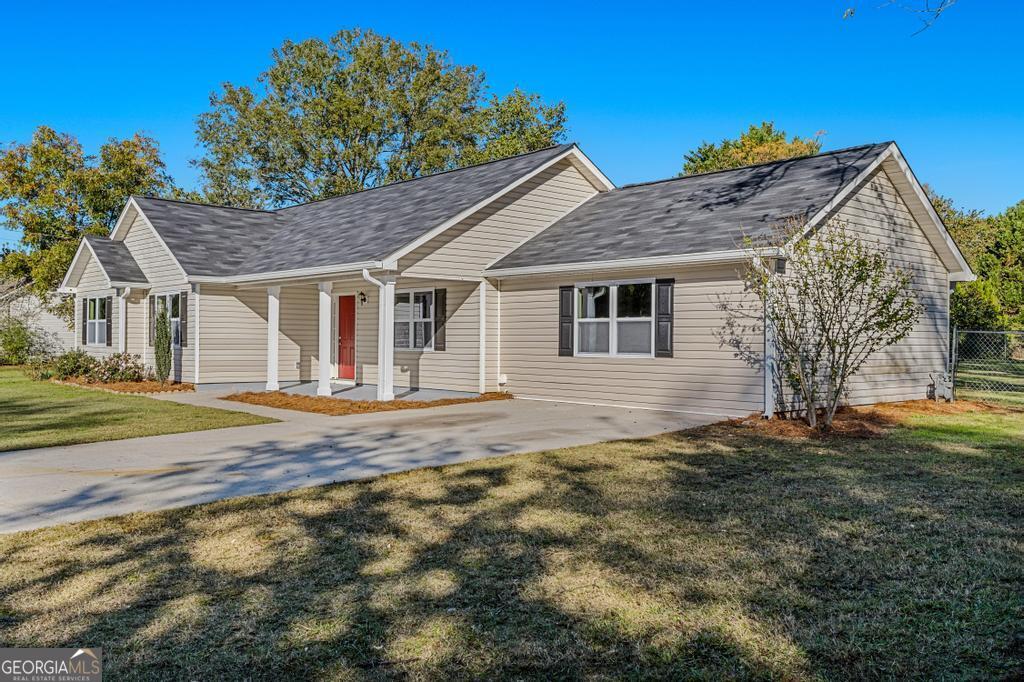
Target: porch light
362	298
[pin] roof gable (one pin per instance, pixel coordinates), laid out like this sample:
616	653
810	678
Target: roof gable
696	217
114	259
368	226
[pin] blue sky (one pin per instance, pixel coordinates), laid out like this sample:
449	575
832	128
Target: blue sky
643	83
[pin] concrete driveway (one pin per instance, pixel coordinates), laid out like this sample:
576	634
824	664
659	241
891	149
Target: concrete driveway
48	486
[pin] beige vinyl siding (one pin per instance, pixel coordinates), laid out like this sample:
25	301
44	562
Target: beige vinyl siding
457	368
138	337
233	339
153	258
901	372
470	246
703	376
93	284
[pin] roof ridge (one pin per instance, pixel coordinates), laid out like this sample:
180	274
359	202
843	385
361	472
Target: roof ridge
200	203
753	165
424	177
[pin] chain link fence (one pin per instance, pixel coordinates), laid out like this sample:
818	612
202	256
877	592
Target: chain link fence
989	363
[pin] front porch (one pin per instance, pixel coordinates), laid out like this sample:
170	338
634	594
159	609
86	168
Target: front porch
349	321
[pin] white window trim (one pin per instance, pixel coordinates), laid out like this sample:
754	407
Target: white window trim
95	323
612	319
412	308
167	302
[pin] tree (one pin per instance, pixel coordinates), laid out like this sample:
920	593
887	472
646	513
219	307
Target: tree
518	123
53	193
928	11
976	305
759	144
162	346
358	111
839	301
994	248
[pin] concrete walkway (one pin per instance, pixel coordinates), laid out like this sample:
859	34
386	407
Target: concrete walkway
48	486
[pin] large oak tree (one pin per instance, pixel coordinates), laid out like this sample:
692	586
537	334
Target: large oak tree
356	111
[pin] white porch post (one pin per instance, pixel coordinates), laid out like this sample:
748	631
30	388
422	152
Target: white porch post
122	328
386	341
273	336
324	360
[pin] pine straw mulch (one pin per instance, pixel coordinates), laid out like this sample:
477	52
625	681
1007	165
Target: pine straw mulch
343	406
873	421
141	387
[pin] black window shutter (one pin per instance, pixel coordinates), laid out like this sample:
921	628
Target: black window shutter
183	314
85	321
565	298
110	320
152	319
663	292
440	318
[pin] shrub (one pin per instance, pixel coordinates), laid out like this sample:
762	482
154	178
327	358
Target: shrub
162	347
74	363
119	367
39	368
17	341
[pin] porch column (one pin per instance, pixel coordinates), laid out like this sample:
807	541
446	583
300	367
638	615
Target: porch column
273	337
122	322
386	340
324	360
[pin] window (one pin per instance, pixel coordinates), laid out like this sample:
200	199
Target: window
172	304
414	320
615	319
96	322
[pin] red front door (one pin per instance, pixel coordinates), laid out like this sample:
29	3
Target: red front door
347	337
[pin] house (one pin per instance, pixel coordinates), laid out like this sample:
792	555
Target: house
18	301
532	274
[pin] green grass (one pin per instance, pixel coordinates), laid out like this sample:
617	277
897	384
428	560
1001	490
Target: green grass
36	414
715	553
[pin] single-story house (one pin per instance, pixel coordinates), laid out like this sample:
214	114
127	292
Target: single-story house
533	274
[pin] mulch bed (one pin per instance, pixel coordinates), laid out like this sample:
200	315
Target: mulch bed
141	387
341	406
872	421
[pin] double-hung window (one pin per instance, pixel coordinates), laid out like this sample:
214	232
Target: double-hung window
615	318
414	320
172	304
96	322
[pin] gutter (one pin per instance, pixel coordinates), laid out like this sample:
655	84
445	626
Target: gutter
730	256
297	273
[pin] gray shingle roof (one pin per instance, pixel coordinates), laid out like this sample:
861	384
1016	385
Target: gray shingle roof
694	214
116	260
368	225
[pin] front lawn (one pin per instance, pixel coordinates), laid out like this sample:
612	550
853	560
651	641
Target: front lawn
719	552
36	414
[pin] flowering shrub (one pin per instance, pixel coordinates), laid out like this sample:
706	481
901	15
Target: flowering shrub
74	363
119	367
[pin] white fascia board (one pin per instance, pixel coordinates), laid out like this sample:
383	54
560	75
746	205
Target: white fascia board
573	152
919	193
123	223
893	152
130	285
845	192
730	256
64	288
299	273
